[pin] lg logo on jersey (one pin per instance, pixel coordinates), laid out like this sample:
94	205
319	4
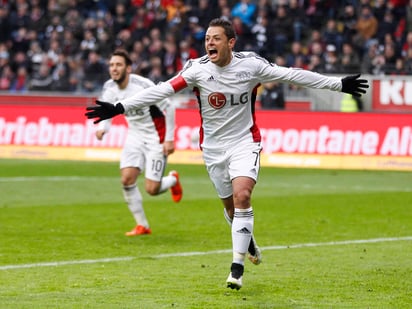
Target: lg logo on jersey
217	99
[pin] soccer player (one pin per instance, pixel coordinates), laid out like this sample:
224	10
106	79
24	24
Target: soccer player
150	139
225	83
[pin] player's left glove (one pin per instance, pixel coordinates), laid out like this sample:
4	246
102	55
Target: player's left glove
353	85
104	110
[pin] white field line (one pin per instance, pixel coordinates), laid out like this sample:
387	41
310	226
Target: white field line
62	263
51	178
194	253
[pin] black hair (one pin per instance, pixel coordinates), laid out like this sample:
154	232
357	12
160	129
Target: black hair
123	53
226	25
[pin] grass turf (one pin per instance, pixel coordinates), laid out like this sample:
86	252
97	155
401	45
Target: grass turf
63	245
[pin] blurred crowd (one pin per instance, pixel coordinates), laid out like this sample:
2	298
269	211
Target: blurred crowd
64	45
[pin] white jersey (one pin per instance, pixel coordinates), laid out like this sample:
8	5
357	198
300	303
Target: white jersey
226	95
152	123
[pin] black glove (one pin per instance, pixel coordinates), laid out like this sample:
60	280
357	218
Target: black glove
354	86
104	110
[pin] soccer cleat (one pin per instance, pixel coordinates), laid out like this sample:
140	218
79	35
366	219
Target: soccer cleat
254	252
234	281
176	190
139	230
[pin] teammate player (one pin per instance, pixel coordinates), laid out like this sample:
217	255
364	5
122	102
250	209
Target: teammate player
225	83
150	139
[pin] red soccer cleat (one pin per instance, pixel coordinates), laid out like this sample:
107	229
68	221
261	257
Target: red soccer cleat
176	190
139	230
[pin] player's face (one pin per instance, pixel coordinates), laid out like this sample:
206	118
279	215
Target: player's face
118	69
218	47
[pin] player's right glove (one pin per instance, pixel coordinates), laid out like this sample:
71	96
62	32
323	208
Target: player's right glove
353	85
104	110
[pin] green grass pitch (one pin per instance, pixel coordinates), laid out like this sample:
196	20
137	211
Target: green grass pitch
330	239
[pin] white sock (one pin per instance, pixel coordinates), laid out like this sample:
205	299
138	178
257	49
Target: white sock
134	201
242	229
166	183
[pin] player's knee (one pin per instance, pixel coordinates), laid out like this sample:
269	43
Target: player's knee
128	181
242	196
152	189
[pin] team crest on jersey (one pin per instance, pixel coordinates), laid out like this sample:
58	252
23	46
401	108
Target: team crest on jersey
217	100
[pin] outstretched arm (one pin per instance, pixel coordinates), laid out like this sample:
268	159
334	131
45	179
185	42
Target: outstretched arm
149	96
351	84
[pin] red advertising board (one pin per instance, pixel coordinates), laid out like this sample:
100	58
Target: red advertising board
298	139
392	95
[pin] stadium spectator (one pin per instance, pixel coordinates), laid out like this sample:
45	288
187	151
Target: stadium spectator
53	29
408	61
272	96
185	53
4	55
366	26
387	25
370	59
36	56
61	74
260	32
121	17
155	70
409	16
379	9
245	39
316	44
331	35
95	73
296	10
140	58
20	59
296	52
348	18
282	27
195	33
37	20
69	44
349	60
21	80
230	138
42	80
407	44
390	57
170	59
20	40
150	139
177	15
331	61
20	18
6	78
103	25
245	10
315	63
88	44
204	11
73	22
351	104
5	25
398	7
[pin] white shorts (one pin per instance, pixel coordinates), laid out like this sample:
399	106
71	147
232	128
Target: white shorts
223	166
146	157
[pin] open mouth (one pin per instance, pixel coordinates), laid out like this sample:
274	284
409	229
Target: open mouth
212	53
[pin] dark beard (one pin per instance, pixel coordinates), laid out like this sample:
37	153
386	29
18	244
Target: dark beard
121	79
